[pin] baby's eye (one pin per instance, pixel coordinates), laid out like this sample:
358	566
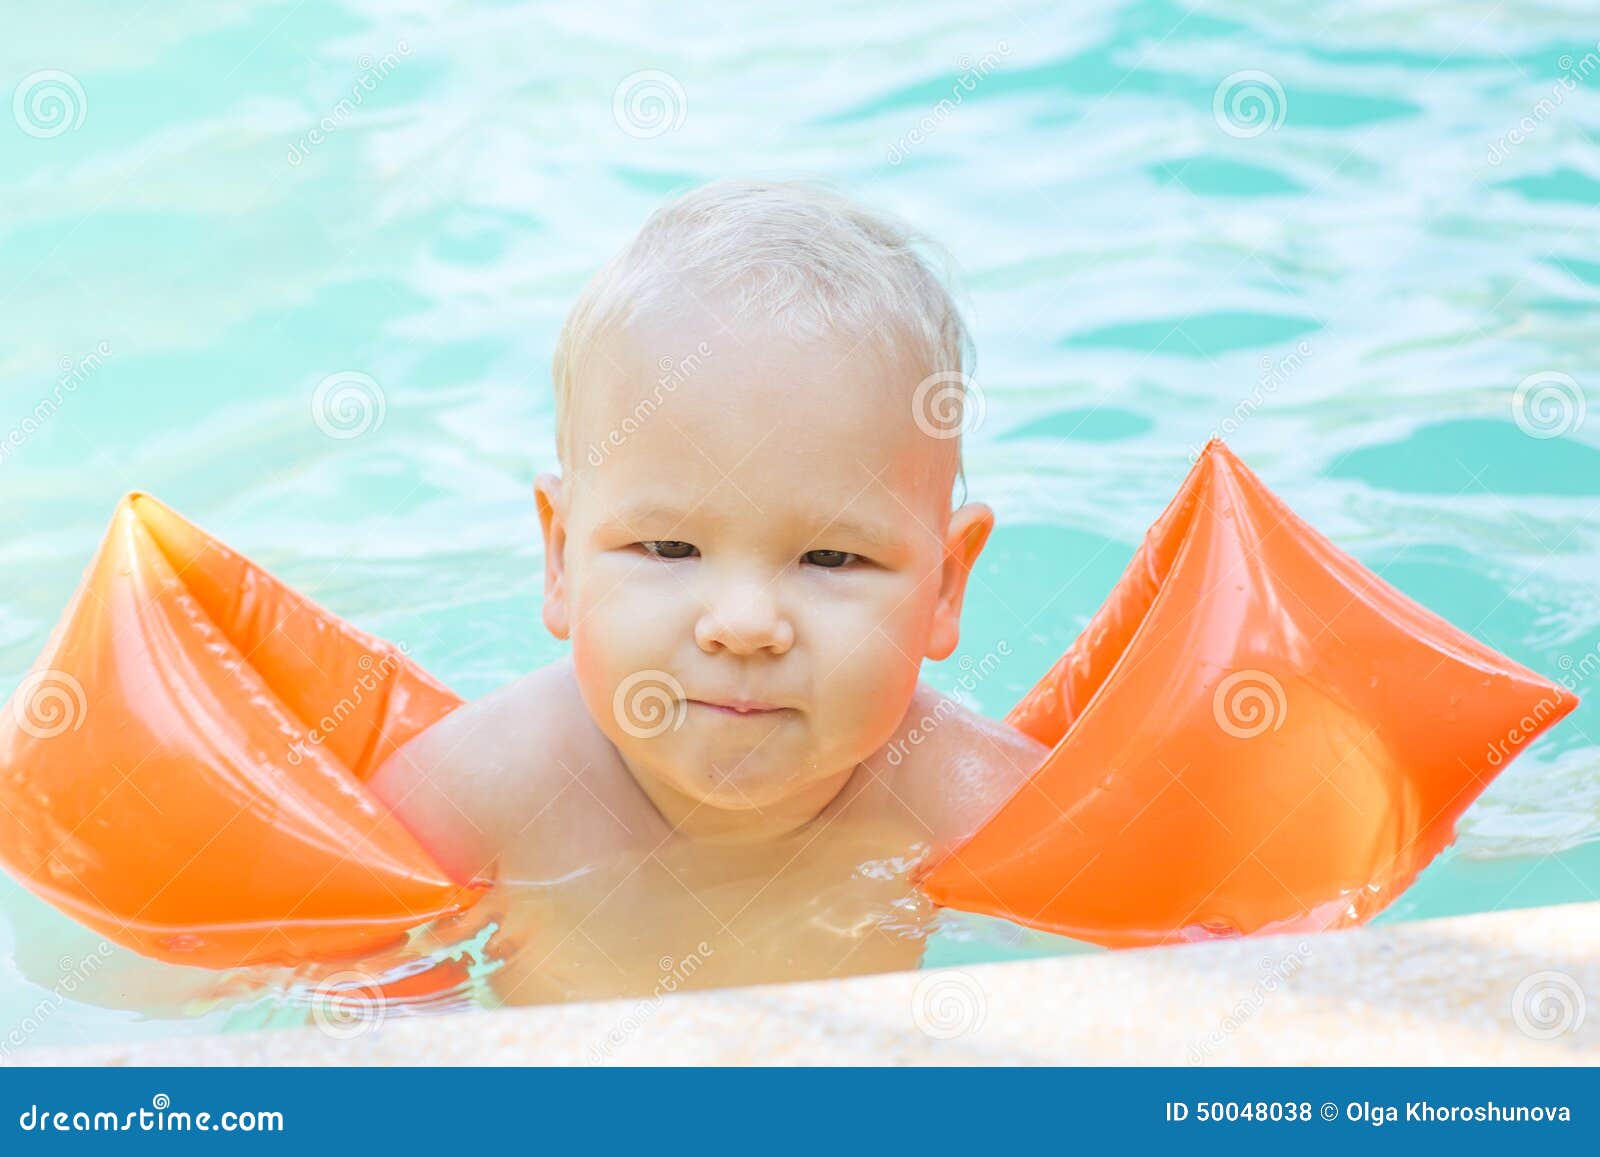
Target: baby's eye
668	548
831	559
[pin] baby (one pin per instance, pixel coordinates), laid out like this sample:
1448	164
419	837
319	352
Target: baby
752	548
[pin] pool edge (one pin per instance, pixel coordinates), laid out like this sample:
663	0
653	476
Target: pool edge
1498	988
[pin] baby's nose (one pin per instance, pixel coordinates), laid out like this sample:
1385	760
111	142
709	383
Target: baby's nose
744	620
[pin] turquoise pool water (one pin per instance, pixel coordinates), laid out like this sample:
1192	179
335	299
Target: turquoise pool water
1362	244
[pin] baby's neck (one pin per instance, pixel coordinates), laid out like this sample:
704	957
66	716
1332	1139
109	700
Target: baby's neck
699	820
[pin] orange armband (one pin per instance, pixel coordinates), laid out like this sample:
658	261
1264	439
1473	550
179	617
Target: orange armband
1254	733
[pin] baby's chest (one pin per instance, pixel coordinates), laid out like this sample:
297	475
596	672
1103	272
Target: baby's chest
839	902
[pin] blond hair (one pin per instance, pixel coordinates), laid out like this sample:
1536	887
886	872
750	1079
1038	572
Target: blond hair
792	252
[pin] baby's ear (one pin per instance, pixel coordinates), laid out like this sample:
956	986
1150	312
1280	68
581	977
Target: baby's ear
550	494
963	542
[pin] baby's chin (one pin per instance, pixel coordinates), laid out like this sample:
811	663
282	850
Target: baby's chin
749	783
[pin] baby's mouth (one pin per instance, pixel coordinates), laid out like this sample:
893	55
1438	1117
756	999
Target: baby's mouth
739	707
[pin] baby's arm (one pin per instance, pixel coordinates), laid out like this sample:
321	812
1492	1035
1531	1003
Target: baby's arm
495	785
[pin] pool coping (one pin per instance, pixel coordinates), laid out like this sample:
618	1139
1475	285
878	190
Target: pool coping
1499	988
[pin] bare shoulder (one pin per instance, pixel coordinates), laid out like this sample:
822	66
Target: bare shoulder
519	784
951	767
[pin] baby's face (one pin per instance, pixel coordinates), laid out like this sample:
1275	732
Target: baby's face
769	528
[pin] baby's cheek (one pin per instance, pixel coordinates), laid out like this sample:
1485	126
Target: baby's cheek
869	689
621	628
596	682
605	653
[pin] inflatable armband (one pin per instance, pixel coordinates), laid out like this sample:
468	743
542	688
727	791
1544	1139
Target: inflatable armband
182	771
1255	733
